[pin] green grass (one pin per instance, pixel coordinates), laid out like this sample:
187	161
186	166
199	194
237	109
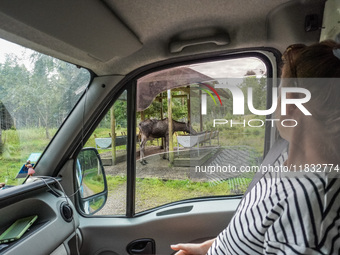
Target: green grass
115	181
238	135
150	192
94	182
17	146
153	192
96	204
8	171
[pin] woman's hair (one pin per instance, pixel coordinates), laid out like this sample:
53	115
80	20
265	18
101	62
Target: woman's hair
314	61
317	68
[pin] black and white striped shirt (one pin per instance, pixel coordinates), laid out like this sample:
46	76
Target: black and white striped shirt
296	215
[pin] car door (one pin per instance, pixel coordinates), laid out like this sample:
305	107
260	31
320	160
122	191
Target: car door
183	187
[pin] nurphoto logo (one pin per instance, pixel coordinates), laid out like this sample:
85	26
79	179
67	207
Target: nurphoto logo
239	102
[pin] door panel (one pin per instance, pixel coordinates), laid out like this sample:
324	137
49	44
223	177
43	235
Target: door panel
165	226
148	187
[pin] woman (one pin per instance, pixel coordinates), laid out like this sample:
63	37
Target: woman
289	213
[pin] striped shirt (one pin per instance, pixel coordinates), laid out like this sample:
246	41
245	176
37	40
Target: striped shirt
280	215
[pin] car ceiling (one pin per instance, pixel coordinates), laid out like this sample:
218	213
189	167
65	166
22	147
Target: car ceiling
116	37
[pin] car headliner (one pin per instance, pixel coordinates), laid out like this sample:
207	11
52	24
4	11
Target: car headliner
116	37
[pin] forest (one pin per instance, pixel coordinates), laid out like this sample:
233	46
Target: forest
37	92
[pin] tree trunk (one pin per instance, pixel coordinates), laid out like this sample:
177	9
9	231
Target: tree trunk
161	117
1	144
201	116
142	116
48	136
113	136
170	144
188	108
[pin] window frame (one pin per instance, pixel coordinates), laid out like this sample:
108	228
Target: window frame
129	83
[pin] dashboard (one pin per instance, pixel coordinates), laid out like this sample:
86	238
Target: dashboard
56	229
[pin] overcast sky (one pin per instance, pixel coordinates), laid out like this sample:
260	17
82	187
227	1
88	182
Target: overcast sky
234	68
8	47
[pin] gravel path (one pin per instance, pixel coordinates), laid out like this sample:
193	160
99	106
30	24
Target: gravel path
116	202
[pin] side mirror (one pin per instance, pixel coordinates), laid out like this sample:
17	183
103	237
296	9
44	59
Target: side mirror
91	181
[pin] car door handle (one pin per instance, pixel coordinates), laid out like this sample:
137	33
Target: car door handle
141	246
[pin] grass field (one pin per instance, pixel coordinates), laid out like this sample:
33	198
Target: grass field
153	192
19	144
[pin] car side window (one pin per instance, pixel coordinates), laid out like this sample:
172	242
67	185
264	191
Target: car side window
216	139
217	143
110	139
37	93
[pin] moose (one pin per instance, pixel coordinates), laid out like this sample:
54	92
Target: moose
153	128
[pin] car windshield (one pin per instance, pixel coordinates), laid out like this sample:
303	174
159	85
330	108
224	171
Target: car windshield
37	92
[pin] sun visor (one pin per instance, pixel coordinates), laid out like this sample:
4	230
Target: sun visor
84	24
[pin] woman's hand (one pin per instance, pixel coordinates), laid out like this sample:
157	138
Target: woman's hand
192	248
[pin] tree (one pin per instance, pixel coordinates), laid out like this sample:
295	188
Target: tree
43	95
259	88
43	76
60	83
14	80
